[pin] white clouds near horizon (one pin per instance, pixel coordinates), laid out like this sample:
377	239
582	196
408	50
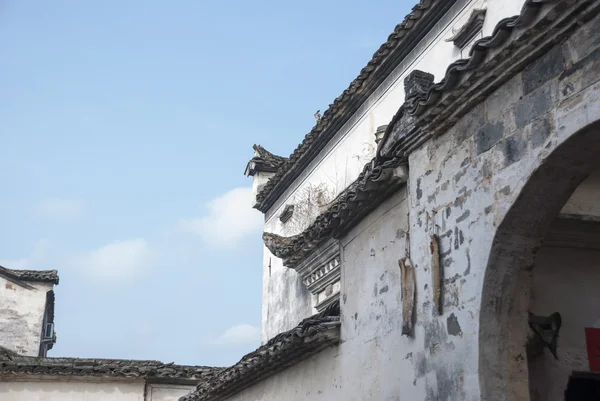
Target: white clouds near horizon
227	220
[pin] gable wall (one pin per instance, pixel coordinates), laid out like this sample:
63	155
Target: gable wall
285	300
21	316
461	186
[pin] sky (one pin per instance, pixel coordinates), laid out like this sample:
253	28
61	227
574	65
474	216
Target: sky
125	130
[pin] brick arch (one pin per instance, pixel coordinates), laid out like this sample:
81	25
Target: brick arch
502	321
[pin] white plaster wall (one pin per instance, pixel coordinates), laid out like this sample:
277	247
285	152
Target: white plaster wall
21	316
343	158
167	392
373	360
566	281
71	391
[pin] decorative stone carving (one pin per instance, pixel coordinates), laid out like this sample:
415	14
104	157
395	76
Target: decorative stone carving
417	83
320	273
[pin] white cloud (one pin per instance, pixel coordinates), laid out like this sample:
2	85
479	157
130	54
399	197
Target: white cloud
229	218
119	260
241	334
64	209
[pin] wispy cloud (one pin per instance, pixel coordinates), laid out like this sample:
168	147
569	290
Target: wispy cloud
241	334
119	260
228	219
62	209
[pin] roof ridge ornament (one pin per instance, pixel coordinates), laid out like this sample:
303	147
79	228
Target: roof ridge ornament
263	161
417	83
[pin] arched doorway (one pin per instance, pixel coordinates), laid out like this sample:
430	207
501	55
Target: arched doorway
525	273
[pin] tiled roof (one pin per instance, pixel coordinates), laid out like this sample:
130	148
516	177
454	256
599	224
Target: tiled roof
514	43
359	199
7	354
405	37
25	365
404	134
46	276
309	337
264	160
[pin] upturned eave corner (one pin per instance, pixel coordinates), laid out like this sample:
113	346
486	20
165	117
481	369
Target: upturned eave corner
263	161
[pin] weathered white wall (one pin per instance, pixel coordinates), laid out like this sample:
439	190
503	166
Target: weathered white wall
285	302
565	280
49	388
167	392
21	316
71	391
372	362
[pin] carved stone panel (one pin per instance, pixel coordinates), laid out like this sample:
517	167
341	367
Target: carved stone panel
320	272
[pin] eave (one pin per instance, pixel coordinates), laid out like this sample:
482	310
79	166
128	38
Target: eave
404	39
311	336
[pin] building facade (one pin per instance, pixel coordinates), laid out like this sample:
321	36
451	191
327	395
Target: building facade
27	374
435	235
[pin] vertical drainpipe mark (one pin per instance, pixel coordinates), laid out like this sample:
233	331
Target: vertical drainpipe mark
269	267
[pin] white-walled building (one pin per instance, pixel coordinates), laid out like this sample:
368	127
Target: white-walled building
27	310
27	374
435	235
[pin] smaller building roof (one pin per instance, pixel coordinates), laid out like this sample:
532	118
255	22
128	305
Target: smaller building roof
309	337
12	364
264	160
43	276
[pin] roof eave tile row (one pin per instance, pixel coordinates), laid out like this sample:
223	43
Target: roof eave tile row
405	37
493	60
13	364
312	335
43	276
359	199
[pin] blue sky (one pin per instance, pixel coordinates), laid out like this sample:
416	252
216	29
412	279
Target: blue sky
125	129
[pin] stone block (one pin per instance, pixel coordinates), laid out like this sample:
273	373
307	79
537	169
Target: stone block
580	75
541	130
586	41
469	124
504	97
542	70
488	136
533	106
514	148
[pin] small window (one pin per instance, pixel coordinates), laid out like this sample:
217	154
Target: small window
287	213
